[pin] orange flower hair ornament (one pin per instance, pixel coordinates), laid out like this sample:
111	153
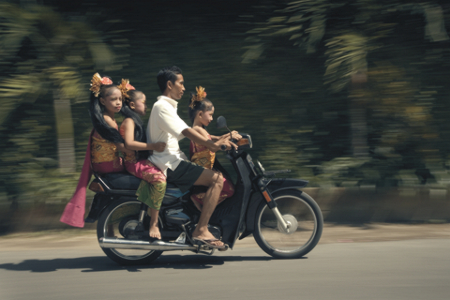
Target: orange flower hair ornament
96	83
125	87
201	94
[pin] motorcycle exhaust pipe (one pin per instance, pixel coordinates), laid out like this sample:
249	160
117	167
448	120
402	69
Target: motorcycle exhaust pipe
142	245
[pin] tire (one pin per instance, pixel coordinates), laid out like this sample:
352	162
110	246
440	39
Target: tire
111	223
299	209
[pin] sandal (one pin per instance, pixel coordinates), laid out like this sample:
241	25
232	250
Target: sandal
209	243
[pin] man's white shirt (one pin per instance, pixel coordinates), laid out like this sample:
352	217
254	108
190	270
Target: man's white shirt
166	126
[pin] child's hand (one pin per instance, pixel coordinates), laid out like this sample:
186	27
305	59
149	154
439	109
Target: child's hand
235	135
158	147
128	152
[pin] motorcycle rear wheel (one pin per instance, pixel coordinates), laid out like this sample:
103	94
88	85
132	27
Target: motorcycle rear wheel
306	221
110	224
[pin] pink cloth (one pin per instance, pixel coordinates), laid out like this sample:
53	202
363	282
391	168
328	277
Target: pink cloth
202	156
144	169
74	212
107	167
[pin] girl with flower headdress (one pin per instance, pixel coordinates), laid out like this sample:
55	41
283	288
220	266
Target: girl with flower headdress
153	185
105	142
201	111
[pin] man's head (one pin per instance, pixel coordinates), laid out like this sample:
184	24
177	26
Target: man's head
171	82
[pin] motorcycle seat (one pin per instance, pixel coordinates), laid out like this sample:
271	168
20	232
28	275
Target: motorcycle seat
125	181
120	181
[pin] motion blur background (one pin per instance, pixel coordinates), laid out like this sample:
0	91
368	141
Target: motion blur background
350	95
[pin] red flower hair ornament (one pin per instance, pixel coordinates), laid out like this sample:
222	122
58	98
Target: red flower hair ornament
96	83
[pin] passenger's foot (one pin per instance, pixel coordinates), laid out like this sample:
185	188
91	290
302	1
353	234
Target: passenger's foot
154	233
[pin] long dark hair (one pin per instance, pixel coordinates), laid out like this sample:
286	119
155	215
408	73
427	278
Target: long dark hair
127	112
96	110
203	105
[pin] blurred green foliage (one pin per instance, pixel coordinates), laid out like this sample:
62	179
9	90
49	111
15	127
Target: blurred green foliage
376	61
44	58
307	64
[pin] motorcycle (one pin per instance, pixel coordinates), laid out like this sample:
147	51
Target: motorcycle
285	221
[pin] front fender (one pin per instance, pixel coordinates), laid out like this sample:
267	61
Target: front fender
278	184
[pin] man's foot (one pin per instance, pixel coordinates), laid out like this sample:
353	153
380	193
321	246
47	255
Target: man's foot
154	233
213	243
207	237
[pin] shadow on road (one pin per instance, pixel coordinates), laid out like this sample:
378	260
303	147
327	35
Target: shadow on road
102	263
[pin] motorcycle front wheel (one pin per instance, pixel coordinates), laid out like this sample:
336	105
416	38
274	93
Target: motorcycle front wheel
303	215
116	220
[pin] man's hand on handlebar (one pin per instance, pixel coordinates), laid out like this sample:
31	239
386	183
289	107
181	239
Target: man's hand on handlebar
228	140
223	145
227	145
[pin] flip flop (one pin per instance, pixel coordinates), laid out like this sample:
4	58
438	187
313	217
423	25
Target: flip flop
208	242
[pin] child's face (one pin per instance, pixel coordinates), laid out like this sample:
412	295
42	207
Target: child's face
112	102
140	106
206	117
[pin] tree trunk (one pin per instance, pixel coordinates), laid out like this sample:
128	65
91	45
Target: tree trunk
358	119
64	127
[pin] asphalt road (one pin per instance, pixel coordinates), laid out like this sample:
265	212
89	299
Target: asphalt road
407	269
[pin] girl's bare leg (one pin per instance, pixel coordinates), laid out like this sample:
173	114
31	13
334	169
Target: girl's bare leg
154	229
214	181
197	205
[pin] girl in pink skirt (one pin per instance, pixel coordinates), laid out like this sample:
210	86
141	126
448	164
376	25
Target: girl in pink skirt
153	186
105	142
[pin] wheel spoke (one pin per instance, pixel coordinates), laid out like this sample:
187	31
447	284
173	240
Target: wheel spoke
118	223
305	228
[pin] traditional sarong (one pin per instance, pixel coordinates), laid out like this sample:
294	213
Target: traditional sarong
105	156
153	185
202	156
101	157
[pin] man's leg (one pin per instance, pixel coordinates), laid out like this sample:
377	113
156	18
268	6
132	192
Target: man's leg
214	181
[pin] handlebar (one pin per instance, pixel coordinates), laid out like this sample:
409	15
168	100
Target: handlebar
244	143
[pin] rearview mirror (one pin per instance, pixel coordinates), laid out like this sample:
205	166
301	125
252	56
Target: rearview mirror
221	122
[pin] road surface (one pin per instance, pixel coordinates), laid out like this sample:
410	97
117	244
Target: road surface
401	269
